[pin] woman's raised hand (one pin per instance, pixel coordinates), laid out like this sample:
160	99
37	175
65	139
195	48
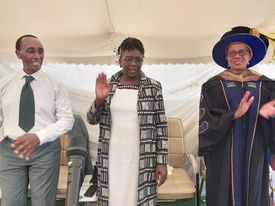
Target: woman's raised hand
102	89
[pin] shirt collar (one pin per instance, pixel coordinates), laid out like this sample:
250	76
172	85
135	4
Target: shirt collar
35	75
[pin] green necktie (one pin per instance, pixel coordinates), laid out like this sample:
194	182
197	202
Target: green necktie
26	108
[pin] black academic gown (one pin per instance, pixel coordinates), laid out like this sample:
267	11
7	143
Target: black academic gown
215	144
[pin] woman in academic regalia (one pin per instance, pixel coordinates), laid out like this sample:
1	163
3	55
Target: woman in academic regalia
236	129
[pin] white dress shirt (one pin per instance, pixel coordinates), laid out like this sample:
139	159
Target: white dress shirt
53	112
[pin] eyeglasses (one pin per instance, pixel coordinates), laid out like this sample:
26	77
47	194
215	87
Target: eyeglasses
130	59
241	52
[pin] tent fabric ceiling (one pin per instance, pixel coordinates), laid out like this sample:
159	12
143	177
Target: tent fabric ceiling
87	31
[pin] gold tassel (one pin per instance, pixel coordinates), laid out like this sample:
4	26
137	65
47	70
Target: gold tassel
254	32
271	38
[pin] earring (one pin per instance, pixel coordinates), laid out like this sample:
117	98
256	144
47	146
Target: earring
247	63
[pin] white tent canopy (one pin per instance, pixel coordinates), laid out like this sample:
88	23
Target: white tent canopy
87	31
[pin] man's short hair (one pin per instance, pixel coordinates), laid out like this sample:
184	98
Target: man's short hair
18	41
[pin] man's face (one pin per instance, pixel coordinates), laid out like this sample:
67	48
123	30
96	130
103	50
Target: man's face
31	53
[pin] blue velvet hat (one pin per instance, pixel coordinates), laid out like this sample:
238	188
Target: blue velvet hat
257	45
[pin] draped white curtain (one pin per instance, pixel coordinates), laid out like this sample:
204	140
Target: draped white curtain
181	89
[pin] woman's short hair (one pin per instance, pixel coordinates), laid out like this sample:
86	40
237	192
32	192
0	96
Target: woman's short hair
130	43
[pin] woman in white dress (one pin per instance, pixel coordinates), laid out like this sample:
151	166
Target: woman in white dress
132	153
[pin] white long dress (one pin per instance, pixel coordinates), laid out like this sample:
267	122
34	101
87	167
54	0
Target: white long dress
124	148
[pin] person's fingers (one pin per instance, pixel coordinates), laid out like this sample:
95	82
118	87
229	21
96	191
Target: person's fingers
246	101
270	111
24	146
27	152
162	179
100	78
244	105
18	149
249	102
21	150
247	93
104	79
17	142
245	97
264	110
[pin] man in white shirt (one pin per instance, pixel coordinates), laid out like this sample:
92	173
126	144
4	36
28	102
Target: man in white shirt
31	156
